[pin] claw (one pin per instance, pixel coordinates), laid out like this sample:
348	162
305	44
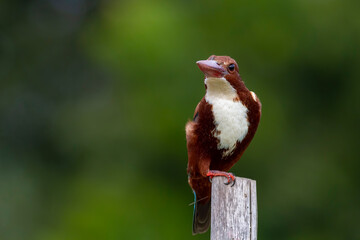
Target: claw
230	181
230	177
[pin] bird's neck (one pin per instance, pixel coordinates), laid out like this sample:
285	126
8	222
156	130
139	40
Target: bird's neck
219	88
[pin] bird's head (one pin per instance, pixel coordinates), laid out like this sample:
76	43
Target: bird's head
218	66
221	68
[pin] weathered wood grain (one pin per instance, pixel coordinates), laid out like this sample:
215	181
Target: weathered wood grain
233	210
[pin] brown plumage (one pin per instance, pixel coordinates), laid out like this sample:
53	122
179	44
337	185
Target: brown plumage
224	123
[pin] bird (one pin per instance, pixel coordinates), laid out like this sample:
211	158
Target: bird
223	125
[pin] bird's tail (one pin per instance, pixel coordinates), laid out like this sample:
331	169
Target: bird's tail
201	219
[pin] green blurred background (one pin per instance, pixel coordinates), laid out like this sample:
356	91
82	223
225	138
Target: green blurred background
95	96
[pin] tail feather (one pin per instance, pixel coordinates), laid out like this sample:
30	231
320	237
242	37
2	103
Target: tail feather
202	218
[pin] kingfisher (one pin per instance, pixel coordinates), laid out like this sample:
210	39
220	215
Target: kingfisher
223	125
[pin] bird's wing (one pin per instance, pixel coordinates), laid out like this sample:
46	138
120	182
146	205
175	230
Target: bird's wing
196	113
256	99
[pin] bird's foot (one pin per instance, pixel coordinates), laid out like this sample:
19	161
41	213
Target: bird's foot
214	173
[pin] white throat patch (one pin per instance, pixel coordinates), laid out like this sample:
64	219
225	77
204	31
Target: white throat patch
230	116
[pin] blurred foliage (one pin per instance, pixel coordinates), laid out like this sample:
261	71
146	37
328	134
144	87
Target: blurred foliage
95	96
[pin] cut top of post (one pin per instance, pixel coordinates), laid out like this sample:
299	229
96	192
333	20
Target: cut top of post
233	209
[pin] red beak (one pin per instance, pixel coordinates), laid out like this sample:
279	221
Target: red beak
211	68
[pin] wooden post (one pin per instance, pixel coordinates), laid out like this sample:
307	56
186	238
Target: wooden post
233	210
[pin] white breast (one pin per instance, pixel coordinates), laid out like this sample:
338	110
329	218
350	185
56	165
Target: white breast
230	117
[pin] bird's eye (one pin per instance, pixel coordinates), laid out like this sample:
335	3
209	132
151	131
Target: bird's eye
231	67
